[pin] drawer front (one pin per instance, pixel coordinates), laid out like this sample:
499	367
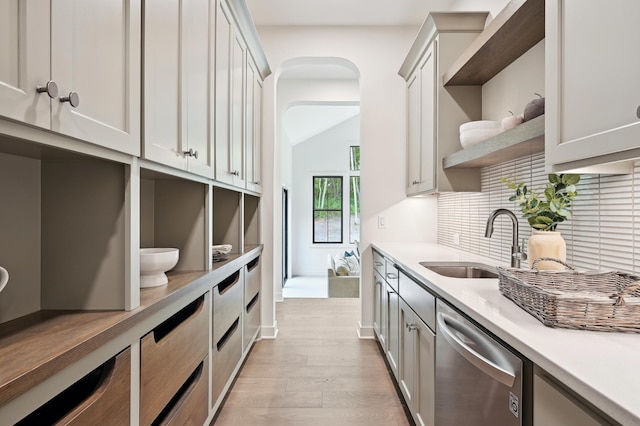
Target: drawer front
191	407
378	263
420	300
252	279
391	274
227	352
227	303
102	397
169	354
251	321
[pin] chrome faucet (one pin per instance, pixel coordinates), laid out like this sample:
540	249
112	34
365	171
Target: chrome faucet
516	251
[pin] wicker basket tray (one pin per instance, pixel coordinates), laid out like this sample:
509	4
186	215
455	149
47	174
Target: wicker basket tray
592	300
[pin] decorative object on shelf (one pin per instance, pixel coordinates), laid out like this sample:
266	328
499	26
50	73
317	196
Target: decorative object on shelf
589	300
544	215
154	262
474	132
4	278
534	108
512	121
221	252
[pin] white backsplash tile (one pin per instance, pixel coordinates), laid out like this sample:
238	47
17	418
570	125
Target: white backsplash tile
604	232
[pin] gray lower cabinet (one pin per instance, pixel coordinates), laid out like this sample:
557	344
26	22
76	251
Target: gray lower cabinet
416	371
380	303
393	335
555	406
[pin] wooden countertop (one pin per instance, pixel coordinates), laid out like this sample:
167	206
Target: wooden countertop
36	346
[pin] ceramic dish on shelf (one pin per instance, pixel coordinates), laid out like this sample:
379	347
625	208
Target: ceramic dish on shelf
154	262
480	125
472	137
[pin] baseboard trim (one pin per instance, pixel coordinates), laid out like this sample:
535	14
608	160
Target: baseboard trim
269	332
365	332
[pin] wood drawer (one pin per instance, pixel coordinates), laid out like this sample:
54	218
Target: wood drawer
227	303
189	406
251	321
102	397
227	352
252	279
378	263
169	354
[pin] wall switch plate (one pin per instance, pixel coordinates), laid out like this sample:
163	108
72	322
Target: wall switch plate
382	222
456	239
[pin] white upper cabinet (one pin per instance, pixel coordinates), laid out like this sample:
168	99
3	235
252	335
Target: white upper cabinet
240	69
592	85
253	132
89	53
25	62
434	112
176	85
230	101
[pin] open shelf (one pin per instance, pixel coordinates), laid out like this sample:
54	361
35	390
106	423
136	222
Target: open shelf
227	219
63	231
525	139
516	29
173	214
251	222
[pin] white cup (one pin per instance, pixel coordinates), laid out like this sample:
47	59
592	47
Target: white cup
4	278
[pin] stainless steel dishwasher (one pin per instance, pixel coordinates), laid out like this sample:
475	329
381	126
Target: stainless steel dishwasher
479	381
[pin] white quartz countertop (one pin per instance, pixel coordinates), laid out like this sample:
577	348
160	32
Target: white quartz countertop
602	367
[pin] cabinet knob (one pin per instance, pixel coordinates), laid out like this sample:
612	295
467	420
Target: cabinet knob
191	153
51	89
73	98
257	182
415	182
411	327
235	173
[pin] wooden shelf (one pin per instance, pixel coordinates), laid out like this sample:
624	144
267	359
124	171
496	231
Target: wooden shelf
525	139
516	29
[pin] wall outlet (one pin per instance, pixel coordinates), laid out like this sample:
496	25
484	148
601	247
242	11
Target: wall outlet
382	222
456	239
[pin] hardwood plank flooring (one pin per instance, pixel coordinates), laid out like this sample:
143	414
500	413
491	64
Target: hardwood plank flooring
315	373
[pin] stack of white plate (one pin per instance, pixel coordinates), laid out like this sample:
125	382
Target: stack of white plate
221	252
474	132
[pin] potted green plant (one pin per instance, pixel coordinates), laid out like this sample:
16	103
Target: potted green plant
544	211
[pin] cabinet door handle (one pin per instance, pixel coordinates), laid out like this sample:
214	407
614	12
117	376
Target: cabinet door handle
191	153
378	264
256	182
415	182
73	98
51	89
234	173
411	327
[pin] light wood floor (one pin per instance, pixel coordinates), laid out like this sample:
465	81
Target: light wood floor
316	373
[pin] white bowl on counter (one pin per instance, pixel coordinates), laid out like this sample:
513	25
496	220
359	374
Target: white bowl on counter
154	262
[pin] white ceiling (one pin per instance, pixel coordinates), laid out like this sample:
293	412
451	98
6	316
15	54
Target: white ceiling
343	12
302	122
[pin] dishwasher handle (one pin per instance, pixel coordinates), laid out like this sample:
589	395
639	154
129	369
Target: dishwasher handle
503	373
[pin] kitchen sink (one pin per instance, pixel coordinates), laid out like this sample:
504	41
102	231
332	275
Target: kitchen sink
462	269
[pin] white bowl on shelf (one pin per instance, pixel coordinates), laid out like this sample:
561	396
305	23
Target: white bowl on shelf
154	262
480	125
472	137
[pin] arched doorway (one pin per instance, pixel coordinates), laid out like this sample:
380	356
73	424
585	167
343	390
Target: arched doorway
318	105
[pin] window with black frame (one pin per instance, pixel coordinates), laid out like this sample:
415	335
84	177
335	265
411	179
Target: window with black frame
327	209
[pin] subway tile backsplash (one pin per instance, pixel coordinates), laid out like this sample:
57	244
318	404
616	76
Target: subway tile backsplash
604	232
